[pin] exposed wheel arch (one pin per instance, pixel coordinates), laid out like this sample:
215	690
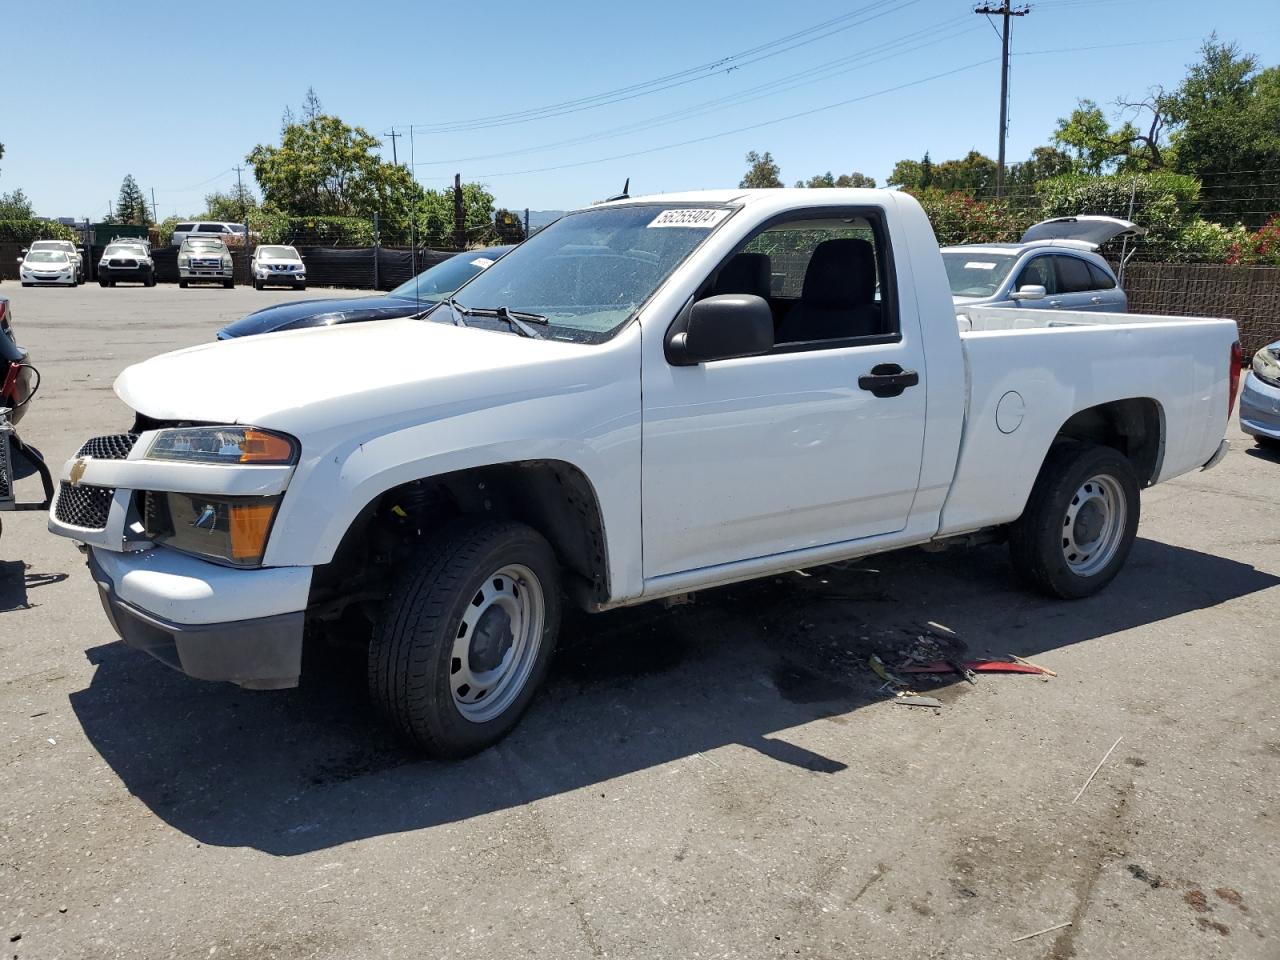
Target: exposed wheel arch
1134	426
553	496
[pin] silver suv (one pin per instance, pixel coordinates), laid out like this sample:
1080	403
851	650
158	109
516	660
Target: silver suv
203	259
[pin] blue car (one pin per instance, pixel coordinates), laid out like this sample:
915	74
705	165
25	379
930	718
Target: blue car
1260	399
427	288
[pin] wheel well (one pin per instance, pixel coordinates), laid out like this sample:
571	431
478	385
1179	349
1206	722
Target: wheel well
553	497
1134	426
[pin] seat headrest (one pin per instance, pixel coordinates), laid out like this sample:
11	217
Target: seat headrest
841	273
745	273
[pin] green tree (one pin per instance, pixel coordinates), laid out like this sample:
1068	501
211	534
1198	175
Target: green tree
762	171
905	174
131	205
234	206
1087	136
1226	115
854	179
15	206
324	167
1043	164
435	216
926	172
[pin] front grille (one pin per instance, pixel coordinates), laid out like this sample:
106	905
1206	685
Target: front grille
117	262
83	506
206	264
116	446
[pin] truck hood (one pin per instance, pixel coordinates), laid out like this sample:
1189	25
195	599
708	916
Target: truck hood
307	380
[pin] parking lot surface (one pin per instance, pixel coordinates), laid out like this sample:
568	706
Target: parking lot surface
723	779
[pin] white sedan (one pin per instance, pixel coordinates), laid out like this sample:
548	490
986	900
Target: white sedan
275	263
47	268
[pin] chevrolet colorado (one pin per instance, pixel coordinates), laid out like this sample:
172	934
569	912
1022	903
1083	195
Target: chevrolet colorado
649	397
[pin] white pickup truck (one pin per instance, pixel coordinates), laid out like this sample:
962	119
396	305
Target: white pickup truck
649	397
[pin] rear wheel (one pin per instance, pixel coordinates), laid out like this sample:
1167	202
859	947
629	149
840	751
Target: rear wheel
466	637
1080	521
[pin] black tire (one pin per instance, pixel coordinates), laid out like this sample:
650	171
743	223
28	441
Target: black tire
257	284
299	286
182	284
411	657
1268	443
228	284
1037	545
112	283
150	281
103	283
27	284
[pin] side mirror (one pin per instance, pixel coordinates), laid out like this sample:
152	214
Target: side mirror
1032	291
722	327
20	258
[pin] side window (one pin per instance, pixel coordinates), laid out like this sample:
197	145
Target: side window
182	228
1099	279
210	228
822	274
1073	275
1039	272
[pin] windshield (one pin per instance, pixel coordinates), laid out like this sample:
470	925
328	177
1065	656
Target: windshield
203	246
589	272
123	250
46	256
52	245
445	277
973	274
277	253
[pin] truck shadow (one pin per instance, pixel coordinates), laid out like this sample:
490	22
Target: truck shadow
303	770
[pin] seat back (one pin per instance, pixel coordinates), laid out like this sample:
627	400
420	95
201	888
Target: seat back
745	273
838	297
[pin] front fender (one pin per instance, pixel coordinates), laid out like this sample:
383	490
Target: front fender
596	429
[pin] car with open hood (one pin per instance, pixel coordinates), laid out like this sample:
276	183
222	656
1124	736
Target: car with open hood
1054	266
415	295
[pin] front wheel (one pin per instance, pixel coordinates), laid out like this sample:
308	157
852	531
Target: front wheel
182	284
228	284
466	637
103	283
1079	523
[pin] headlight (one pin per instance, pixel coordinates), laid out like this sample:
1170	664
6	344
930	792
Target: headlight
186	261
226	261
228	445
230	530
1266	365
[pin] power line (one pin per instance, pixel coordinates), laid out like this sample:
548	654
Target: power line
726	64
815	74
743	129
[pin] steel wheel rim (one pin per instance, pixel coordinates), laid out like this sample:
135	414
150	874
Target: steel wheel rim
1094	525
497	643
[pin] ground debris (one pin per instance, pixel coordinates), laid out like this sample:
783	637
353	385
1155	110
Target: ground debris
1150	879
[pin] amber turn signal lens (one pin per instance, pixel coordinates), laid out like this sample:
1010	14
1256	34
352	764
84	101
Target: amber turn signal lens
261	447
249	525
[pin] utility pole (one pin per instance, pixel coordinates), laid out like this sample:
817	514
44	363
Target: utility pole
155	213
244	214
413	160
1005	11
459	220
394	136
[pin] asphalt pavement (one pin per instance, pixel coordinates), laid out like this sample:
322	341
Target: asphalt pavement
724	779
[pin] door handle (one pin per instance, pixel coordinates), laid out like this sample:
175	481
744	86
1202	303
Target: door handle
1095	300
888	380
1055	303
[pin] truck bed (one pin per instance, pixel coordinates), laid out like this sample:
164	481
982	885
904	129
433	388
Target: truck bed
1027	370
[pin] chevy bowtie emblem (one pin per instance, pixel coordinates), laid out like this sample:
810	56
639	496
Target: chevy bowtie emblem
77	471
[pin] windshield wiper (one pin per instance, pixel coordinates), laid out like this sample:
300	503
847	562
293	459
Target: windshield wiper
518	319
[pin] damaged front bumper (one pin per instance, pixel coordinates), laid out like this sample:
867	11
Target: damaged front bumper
261	650
210	621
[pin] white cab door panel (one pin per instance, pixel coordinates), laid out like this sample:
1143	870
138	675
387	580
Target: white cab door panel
757	456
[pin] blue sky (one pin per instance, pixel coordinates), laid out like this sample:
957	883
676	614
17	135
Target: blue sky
178	99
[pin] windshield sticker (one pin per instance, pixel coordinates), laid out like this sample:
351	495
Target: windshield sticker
696	218
484	263
979	265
